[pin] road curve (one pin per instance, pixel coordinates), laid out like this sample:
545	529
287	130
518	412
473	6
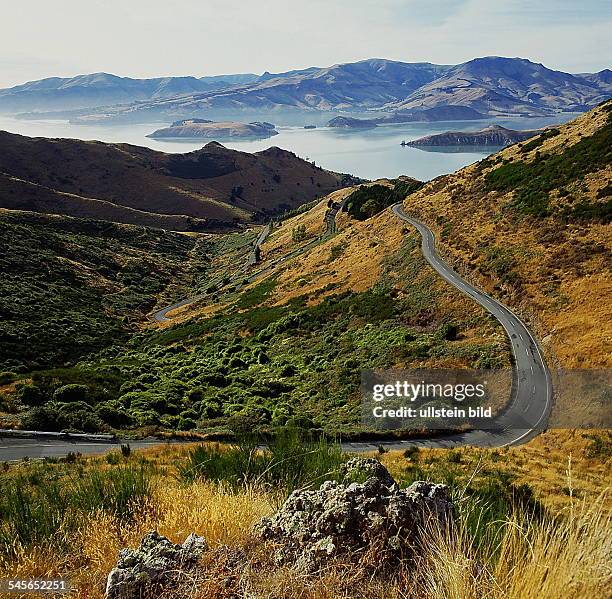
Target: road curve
531	400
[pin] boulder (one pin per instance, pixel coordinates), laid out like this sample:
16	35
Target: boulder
157	561
350	518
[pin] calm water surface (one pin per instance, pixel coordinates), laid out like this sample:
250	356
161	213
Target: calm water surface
370	153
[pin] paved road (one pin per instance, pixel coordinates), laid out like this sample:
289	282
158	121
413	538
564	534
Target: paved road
531	401
12	449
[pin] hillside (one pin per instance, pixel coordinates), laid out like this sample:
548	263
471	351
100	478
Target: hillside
532	225
209	189
72	286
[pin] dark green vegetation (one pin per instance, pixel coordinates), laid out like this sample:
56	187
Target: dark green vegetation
369	200
43	504
539	140
70	287
287	462
533	181
259	366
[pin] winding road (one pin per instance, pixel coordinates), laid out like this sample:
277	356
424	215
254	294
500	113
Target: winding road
531	400
525	416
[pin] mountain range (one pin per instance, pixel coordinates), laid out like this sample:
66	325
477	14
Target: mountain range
210	189
99	89
493	86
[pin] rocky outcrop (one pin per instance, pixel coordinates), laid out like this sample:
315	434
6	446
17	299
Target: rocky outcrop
367	511
157	561
494	135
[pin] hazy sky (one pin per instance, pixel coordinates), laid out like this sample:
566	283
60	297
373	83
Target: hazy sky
147	38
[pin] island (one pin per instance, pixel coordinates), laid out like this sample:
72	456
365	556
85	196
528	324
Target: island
347	122
202	128
495	135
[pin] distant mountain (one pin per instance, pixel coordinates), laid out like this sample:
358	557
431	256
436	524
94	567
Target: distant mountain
499	86
490	136
100	89
491	86
209	189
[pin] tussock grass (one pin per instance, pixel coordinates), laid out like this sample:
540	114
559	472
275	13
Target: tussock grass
42	506
287	462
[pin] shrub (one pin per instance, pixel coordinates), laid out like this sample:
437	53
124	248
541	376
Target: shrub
70	393
7	377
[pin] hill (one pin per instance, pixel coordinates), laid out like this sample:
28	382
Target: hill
532	225
286	343
489	86
213	188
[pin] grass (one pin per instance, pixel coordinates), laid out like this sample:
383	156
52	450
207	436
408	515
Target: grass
43	505
287	462
506	542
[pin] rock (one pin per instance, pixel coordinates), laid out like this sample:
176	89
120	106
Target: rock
358	468
156	561
347	518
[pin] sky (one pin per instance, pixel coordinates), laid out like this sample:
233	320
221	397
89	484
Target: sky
152	38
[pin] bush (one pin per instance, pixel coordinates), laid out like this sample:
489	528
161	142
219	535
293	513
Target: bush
70	393
7	377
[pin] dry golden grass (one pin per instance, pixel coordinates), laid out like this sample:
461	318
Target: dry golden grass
567	559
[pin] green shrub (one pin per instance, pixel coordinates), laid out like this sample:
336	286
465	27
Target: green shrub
70	393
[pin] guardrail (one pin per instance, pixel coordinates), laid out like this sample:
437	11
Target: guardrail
10	433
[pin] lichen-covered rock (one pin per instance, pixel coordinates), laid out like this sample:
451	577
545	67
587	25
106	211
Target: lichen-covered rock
349	518
156	561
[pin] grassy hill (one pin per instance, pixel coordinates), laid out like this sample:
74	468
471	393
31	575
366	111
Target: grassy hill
288	347
71	286
212	189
